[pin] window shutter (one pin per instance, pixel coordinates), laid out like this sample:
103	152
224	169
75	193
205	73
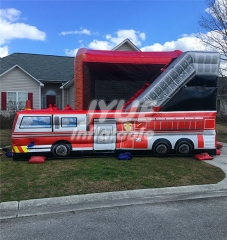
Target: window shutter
3	100
30	97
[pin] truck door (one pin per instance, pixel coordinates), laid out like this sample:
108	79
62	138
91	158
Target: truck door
104	134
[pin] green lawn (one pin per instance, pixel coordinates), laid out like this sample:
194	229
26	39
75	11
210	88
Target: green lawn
221	132
21	180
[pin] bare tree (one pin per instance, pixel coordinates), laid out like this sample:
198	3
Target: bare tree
214	22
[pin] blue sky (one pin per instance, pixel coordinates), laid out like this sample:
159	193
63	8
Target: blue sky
62	27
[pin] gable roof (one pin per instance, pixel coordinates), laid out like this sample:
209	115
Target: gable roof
128	44
16	66
41	67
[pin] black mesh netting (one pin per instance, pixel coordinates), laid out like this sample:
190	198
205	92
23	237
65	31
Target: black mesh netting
112	81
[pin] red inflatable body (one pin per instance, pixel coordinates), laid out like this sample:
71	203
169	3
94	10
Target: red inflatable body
37	159
203	156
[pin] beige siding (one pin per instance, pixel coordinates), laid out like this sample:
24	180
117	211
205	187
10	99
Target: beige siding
17	80
125	47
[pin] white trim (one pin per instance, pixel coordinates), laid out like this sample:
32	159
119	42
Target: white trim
39	146
84	148
39	150
40	98
41	84
63	98
43	101
70	82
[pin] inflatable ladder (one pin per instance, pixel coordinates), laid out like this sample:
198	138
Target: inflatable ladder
176	75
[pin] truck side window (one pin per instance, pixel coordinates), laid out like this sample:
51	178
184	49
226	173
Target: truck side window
35	122
68	122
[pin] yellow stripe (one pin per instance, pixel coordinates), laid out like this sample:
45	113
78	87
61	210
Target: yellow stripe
16	150
24	149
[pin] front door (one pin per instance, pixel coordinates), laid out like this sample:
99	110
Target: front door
105	135
50	99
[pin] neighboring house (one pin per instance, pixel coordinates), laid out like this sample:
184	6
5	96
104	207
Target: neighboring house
222	96
126	45
44	79
33	76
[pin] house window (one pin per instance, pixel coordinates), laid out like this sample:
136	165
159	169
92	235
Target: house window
16	100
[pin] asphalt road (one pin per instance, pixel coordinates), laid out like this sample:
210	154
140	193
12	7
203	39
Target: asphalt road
200	218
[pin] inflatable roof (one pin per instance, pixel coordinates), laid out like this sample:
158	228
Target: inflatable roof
127	56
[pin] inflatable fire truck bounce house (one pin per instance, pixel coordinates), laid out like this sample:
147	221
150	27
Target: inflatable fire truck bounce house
149	102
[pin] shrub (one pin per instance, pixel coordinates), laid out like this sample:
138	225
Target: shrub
222	118
6	119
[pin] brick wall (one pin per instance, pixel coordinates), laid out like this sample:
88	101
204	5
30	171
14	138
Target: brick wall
78	81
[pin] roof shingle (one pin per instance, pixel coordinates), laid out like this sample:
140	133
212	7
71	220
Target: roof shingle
42	67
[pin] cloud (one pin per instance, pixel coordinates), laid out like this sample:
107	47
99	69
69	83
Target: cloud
184	43
131	34
11	28
71	53
80	32
100	45
10	14
111	40
4	51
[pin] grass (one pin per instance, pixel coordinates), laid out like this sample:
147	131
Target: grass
20	180
5	137
221	132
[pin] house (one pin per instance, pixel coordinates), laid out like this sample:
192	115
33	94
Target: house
43	79
222	96
33	76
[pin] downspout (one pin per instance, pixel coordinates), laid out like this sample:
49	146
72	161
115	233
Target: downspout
40	97
63	97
